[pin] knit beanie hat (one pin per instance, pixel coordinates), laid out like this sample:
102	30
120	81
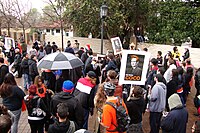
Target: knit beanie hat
68	86
32	89
87	47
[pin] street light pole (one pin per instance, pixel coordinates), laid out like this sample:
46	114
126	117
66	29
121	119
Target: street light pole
103	14
102	35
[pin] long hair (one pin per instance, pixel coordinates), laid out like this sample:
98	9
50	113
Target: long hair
175	73
41	49
6	87
100	97
32	92
39	87
36	80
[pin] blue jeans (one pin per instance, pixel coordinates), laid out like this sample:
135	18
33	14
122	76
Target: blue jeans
155	118
86	116
17	114
26	81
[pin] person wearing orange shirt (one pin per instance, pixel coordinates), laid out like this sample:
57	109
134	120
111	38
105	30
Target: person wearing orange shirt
109	119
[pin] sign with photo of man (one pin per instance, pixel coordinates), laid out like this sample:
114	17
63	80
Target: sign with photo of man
134	67
117	45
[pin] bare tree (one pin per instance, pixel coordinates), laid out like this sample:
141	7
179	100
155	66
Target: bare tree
49	14
6	12
58	7
34	17
20	10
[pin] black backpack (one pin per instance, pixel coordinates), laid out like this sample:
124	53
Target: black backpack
123	119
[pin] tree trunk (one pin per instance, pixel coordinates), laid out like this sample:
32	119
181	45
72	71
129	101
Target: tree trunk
24	33
8	29
0	29
62	39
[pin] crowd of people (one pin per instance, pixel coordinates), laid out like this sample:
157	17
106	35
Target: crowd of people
62	100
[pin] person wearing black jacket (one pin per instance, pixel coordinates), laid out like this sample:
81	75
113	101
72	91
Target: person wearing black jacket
197	82
135	107
12	98
186	86
176	120
48	48
63	124
85	93
3	70
17	63
88	61
172	86
49	79
54	47
69	48
186	53
35	118
93	66
33	71
75	108
160	59
11	55
80	52
25	71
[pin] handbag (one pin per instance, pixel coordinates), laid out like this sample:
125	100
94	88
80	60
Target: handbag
37	111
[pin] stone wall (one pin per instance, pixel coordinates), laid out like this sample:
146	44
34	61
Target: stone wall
153	48
94	43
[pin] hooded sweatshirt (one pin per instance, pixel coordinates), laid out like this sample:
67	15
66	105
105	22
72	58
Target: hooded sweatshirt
177	118
158	97
135	108
61	127
75	108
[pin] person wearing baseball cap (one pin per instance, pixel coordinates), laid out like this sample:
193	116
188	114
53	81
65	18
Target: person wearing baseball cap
85	92
66	96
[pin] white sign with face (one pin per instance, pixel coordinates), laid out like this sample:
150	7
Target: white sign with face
117	45
134	67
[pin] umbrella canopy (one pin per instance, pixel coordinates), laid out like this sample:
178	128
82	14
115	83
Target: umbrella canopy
60	60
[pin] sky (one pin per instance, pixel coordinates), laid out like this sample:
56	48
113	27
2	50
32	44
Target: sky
38	4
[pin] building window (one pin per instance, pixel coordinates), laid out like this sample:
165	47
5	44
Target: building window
48	30
52	32
67	33
57	30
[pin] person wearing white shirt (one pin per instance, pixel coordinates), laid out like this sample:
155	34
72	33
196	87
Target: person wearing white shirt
168	73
